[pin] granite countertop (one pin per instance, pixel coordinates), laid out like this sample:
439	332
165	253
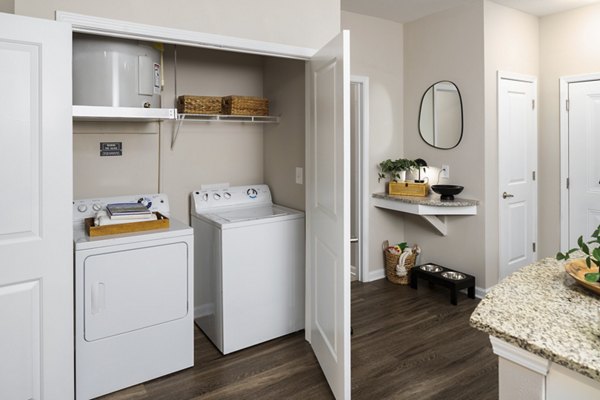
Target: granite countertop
541	309
431	200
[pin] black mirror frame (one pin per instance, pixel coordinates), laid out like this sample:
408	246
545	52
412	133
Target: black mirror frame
462	120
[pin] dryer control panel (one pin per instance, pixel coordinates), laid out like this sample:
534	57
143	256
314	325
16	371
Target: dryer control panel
205	200
87	208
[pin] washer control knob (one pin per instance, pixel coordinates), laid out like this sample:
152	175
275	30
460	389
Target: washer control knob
145	201
217	196
205	197
82	208
252	193
96	207
227	195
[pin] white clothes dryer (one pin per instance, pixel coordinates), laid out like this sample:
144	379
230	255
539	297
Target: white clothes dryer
249	266
133	299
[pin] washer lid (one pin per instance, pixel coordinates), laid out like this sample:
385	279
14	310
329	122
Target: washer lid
252	213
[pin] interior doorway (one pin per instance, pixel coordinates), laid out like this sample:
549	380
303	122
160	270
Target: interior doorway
517	169
580	170
359	191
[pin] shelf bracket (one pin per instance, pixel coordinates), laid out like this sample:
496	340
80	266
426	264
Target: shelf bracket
175	133
438	222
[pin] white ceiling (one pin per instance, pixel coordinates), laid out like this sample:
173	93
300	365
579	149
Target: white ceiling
410	10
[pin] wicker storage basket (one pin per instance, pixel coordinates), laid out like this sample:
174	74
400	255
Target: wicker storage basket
187	104
245	105
391	261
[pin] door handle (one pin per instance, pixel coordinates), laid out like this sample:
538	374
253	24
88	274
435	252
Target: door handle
507	195
98	298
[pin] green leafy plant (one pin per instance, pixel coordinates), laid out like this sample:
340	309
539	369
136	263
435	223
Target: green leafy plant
387	169
390	168
592	254
404	164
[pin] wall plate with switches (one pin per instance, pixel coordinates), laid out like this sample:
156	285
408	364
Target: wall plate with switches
445	172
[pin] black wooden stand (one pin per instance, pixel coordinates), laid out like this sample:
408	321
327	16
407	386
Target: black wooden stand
437	279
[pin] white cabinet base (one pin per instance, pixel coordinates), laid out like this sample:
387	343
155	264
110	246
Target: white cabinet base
526	376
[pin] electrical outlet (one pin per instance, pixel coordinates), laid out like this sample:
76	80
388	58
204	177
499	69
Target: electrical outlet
299	175
445	172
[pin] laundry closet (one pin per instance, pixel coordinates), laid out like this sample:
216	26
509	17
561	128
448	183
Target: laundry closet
308	92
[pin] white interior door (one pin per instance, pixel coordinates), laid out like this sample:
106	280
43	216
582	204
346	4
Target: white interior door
36	271
584	165
328	212
517	163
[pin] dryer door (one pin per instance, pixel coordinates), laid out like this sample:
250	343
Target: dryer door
134	289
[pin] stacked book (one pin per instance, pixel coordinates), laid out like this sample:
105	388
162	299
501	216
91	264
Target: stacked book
123	213
128	211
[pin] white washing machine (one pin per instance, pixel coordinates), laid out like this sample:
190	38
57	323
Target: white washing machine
133	301
249	266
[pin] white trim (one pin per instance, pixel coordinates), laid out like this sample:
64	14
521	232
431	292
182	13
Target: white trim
481	292
519	356
564	82
204	310
363	212
376	275
130	30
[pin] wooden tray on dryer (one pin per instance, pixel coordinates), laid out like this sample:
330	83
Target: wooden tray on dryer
161	222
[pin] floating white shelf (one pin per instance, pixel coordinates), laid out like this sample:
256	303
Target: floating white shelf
265	119
101	113
429	208
253	119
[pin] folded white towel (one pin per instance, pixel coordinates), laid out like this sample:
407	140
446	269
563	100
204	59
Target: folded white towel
103	219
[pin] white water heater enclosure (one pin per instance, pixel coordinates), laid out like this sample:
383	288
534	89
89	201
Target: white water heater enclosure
115	72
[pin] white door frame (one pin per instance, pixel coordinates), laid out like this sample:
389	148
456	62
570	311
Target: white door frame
363	179
564	82
534	201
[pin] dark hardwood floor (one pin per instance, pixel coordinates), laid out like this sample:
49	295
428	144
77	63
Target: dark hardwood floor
407	344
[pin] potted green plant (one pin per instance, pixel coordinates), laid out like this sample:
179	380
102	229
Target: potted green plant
592	254
395	170
388	169
405	165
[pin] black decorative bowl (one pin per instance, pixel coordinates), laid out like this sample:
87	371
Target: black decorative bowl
447	192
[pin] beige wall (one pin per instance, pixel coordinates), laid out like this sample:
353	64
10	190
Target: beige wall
307	23
7	6
449	46
136	171
206	152
568	46
511	44
376	48
283	147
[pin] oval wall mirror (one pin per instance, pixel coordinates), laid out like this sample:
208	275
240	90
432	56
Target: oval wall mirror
440	116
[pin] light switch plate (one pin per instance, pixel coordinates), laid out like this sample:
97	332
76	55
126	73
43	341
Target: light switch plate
445	172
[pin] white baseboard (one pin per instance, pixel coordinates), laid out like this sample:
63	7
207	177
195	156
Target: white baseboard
375	275
203	310
481	292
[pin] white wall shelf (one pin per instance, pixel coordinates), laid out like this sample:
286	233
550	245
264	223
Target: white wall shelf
101	113
430	208
252	119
